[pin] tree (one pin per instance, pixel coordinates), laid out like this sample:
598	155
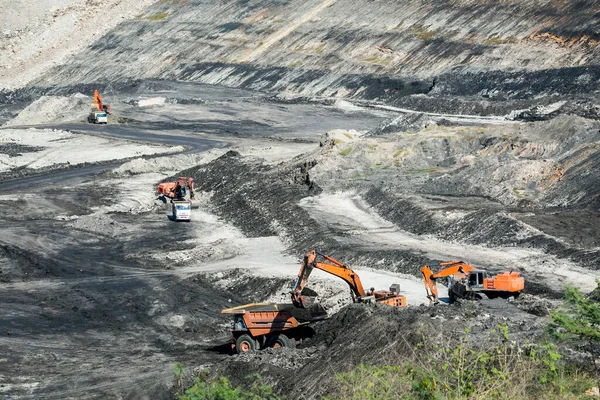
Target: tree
579	317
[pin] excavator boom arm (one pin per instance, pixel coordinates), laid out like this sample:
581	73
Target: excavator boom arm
452	268
305	269
98	102
334	267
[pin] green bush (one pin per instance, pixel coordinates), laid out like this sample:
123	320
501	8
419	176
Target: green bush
221	388
159	16
466	368
579	319
462	371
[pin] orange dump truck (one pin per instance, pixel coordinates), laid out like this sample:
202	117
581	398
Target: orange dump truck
258	326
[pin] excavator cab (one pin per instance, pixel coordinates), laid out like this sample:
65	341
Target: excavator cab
476	279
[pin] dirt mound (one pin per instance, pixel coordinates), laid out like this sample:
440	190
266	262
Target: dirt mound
51	109
251	287
16	149
18	264
405	122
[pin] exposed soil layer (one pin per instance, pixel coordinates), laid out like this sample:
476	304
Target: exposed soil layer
270	208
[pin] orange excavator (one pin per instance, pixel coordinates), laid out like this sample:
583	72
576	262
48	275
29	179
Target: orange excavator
336	268
468	282
100	112
177	189
175	192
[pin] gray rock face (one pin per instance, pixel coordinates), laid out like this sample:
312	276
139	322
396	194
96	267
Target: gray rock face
384	50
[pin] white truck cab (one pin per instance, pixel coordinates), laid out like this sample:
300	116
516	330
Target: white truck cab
182	210
98	117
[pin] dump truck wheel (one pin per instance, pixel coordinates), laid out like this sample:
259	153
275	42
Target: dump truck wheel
280	340
245	344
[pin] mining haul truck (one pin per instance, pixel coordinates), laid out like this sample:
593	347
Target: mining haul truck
259	326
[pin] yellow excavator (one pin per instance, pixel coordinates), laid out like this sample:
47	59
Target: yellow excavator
467	282
336	268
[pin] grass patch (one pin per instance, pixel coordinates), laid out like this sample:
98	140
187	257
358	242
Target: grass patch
497	40
501	369
345	152
359	176
179	2
398	152
349	136
422	33
378	59
523	193
494	40
294	64
422	170
321	48
221	388
154	17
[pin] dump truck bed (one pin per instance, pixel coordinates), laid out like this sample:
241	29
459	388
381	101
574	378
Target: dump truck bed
300	314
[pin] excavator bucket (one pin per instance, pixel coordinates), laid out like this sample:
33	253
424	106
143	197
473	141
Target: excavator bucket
310	311
317	312
308	301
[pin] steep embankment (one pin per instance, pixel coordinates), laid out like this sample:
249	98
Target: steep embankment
488	51
37	36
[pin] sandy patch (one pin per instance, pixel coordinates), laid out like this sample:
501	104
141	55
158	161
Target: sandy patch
63	147
46	109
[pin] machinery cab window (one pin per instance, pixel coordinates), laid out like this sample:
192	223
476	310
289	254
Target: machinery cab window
476	278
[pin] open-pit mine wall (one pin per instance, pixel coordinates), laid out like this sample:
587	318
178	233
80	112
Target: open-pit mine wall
365	49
